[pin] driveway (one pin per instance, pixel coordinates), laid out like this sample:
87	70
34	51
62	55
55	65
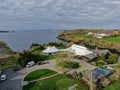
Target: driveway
13	81
50	64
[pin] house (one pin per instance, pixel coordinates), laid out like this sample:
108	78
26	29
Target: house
101	71
90	33
50	50
105	52
101	35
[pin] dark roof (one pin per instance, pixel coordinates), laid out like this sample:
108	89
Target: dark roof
101	71
90	56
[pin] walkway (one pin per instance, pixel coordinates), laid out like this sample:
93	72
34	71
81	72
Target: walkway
44	78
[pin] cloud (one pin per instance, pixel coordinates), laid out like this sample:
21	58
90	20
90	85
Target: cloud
59	13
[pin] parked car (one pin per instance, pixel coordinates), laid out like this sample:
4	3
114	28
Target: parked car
17	68
39	63
3	76
31	63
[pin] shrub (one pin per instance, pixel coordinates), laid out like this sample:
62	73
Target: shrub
113	59
69	64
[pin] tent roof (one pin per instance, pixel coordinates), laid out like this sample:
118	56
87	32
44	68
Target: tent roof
77	46
51	50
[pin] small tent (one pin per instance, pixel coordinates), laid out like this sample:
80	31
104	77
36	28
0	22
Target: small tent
50	50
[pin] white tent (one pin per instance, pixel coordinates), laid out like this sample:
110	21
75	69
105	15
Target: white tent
79	50
50	50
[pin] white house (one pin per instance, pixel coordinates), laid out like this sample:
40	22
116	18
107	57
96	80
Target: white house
79	50
50	50
90	33
101	35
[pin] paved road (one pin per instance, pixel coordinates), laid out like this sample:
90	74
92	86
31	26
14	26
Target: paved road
13	81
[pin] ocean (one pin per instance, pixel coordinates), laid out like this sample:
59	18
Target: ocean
21	40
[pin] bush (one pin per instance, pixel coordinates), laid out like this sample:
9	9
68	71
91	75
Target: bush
69	64
100	63
113	59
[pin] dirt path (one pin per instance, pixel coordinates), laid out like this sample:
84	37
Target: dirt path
44	78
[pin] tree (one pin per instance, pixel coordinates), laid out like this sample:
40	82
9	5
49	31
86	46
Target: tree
27	56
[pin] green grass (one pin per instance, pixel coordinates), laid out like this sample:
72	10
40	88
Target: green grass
84	36
37	52
60	47
47	57
116	66
59	82
112	39
39	74
114	86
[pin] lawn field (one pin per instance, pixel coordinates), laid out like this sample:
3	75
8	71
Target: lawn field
39	74
59	82
114	86
112	39
37	52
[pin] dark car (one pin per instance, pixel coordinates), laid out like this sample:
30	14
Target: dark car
17	68
39	63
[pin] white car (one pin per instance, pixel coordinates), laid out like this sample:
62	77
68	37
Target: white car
3	77
31	63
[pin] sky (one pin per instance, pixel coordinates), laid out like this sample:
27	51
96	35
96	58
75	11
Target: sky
59	14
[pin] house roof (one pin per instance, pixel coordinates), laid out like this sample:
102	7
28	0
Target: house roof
51	50
101	71
104	52
78	46
90	56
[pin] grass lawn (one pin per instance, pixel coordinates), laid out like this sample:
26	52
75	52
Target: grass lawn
116	66
46	57
61	47
84	36
37	52
112	39
114	86
59	82
39	74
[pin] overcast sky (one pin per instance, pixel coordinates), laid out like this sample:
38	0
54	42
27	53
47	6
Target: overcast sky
59	14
